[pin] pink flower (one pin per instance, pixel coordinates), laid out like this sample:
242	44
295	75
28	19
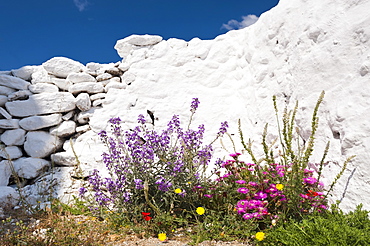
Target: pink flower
235	155
240	182
247	216
253	184
260	195
243	190
208	195
310	180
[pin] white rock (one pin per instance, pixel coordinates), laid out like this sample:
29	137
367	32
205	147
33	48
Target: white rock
19	95
83	102
41	76
3	100
64	159
104	76
13	82
62	84
44	103
4	113
98	96
81	129
6	72
4	90
68	115
62	66
66	128
9	124
30	168
40	144
13	137
124	46
5	172
11	152
114	79
38	122
43	88
97	103
25	72
8	196
124	67
93	68
114	71
89	87
84	117
116	85
80	77
128	78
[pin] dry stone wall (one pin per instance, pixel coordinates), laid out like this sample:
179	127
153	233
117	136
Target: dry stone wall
42	108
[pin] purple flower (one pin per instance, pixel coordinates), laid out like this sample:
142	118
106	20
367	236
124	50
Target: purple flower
82	191
310	180
248	216
194	105
234	155
223	129
243	190
141	119
260	195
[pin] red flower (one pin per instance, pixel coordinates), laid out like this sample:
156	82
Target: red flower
146	216
312	193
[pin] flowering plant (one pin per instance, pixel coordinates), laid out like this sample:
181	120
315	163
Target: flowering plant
150	169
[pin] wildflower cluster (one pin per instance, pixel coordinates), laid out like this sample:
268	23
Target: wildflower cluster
149	168
264	192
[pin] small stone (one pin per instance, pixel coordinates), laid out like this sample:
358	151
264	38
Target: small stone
63	159
8	196
83	102
66	128
11	152
25	72
62	66
104	76
38	122
9	124
89	87
30	168
43	88
13	82
13	137
116	85
5	173
3	100
19	95
114	71
80	77
40	144
44	103
4	113
4	90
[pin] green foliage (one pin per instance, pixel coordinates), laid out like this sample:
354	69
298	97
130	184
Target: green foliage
294	156
330	228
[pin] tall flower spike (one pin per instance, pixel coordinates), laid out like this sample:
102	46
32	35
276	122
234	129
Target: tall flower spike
194	105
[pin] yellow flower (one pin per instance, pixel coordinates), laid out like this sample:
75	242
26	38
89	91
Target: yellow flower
200	210
260	236
178	191
279	186
162	236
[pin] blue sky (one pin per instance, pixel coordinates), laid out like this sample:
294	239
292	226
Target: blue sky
33	31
